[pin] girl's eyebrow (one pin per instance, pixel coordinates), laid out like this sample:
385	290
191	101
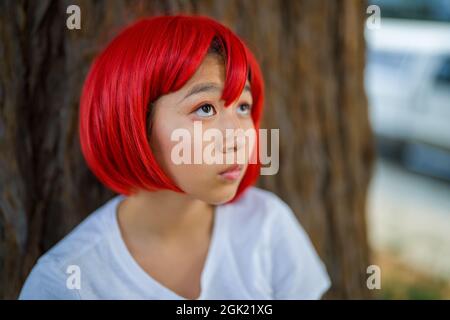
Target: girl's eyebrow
208	86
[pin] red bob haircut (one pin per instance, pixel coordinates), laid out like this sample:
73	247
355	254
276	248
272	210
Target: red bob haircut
152	57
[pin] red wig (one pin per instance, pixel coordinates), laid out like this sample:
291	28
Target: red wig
150	58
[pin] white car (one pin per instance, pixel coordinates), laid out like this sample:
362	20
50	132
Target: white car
408	88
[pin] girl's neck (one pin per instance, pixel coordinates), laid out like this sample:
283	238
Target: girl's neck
164	214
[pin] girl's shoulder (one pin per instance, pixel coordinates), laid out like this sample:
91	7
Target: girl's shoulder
87	235
263	219
80	249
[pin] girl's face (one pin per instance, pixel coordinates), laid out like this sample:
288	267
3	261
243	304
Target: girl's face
180	110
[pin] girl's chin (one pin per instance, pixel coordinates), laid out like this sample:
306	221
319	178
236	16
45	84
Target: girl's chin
221	194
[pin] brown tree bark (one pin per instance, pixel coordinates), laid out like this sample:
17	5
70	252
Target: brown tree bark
312	56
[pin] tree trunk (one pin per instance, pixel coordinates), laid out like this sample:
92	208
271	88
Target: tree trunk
312	57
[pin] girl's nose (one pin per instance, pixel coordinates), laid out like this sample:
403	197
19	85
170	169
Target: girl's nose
232	129
231	119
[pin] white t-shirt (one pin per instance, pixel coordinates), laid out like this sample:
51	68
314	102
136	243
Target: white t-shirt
258	250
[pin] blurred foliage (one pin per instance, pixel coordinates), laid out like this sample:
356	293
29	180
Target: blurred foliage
400	281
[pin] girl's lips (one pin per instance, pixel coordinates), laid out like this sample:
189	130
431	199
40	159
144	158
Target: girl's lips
232	173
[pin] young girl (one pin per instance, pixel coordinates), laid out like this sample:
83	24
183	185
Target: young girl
176	231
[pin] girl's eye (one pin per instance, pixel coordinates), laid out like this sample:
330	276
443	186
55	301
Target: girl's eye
244	109
206	110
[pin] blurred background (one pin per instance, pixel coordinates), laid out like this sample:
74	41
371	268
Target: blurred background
407	81
360	91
